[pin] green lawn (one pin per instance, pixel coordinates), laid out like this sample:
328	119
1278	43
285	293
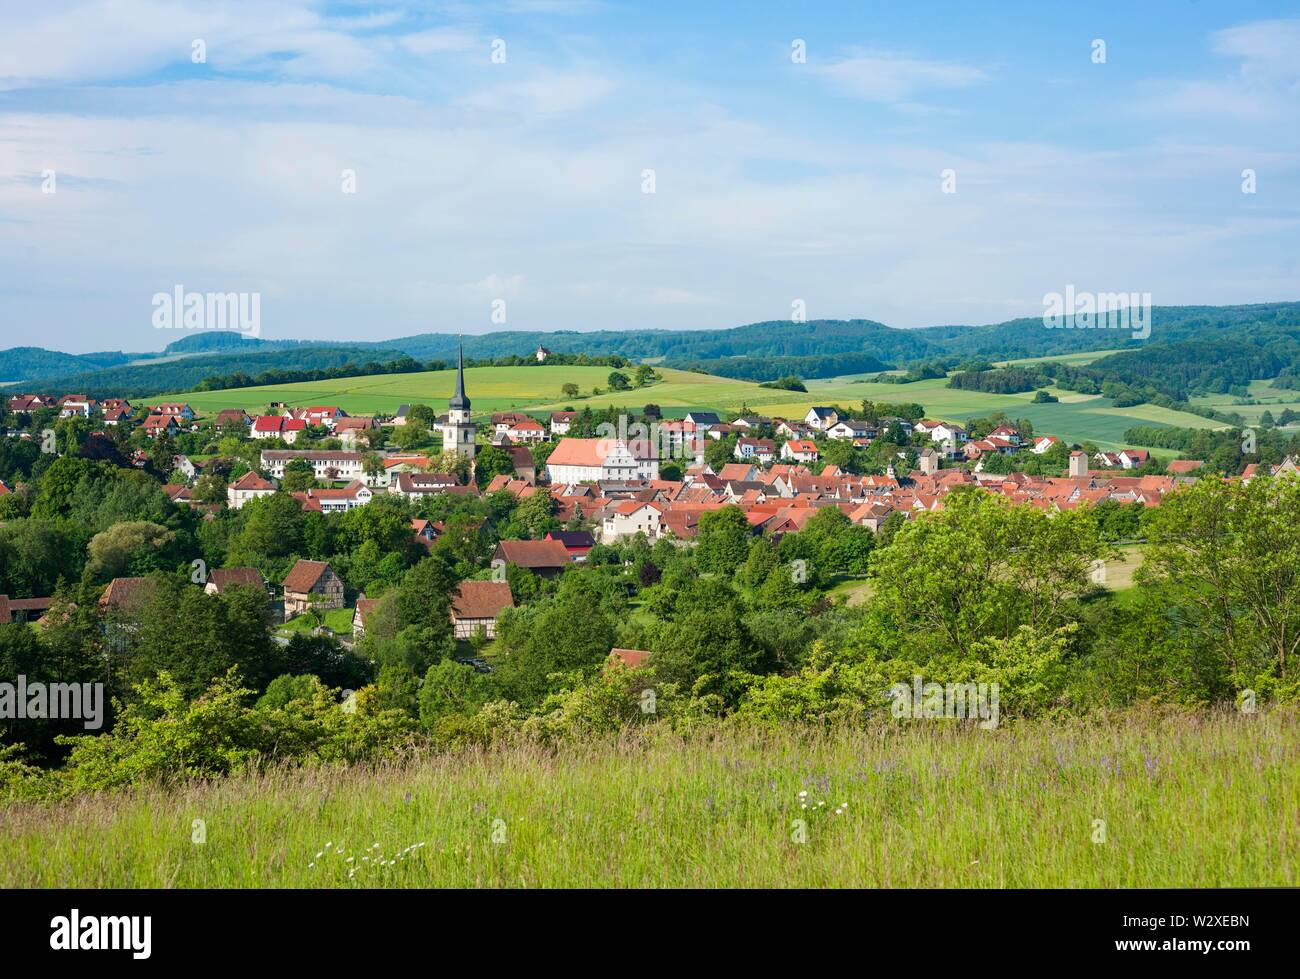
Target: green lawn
338	620
1210	800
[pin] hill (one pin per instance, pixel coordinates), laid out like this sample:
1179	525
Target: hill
1075	418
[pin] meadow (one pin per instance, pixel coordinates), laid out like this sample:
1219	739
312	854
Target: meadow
1076	418
1138	800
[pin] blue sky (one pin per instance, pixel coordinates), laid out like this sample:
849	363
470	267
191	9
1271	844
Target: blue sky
522	180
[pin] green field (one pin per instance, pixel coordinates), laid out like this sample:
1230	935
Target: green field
1076	418
1138	801
337	620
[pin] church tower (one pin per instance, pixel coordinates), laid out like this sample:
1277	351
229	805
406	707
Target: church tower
458	430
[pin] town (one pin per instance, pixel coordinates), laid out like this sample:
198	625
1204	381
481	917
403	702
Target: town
599	488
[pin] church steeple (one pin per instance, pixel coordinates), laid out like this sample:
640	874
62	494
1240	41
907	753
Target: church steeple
458	400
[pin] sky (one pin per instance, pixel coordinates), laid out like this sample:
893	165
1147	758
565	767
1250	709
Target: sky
371	171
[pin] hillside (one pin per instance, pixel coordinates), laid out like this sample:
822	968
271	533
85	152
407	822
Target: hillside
757	351
1075	417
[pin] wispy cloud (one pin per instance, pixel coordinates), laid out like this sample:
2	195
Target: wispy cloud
894	78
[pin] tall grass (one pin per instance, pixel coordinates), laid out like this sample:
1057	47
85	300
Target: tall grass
1205	800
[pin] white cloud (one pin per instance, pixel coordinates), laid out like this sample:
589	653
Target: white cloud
894	78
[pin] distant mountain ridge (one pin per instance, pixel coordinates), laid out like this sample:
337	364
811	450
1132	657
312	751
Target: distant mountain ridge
756	351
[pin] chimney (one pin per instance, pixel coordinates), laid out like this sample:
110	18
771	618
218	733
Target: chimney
1078	464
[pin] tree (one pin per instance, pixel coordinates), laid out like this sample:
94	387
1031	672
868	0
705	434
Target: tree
723	540
618	381
1229	556
452	688
134	549
490	462
299	475
569	389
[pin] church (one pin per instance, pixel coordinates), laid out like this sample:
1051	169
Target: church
457	429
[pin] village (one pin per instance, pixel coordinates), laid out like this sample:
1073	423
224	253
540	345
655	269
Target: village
602	490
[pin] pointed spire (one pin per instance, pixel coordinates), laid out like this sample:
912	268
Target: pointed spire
458	400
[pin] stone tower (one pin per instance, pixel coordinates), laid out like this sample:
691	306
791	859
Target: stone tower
458	430
1078	464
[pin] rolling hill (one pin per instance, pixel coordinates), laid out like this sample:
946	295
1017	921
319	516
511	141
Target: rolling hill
1076	418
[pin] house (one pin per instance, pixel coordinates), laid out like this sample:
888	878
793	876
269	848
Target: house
848	428
742	472
760	450
326	500
591	460
632	659
629	518
222	578
403	413
577	542
232	418
416	486
156	425
820	418
77	404
503	420
424	530
542	354
174	409
526	430
1005	432
1044	443
522	457
311	584
1183	467
247	487
703	420
277	427
328	465
320	416
800	450
23	609
361	616
1134	458
562	421
543	557
1108	459
350	430
476	604
30	402
123	594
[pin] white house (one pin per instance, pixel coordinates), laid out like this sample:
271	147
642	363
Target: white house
328	465
247	487
760	450
800	450
847	428
591	460
820	417
629	518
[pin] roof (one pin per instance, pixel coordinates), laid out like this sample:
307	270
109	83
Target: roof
801	445
577	452
533	553
121	591
252	481
481	599
364	607
631	658
225	577
305	576
1179	466
572	538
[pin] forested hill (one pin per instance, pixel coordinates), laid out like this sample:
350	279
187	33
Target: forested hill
1254	339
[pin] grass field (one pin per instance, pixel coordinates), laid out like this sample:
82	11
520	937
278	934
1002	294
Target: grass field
1076	418
337	620
1195	801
